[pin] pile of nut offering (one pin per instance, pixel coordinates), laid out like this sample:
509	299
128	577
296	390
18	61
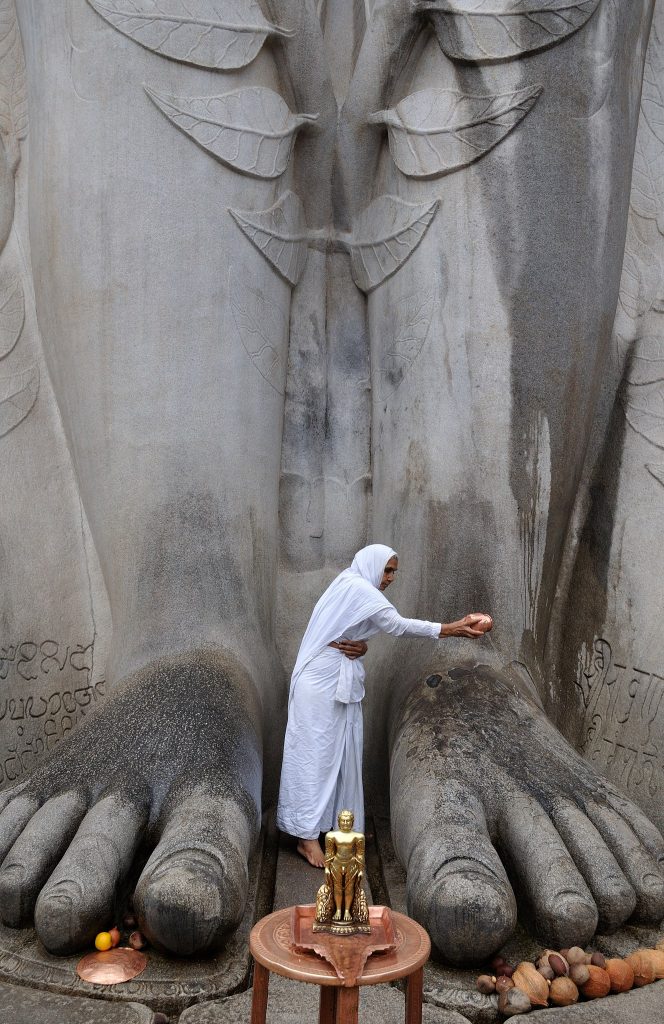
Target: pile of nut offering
562	978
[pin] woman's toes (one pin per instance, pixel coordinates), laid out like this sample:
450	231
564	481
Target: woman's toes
560	904
312	853
193	889
78	898
34	855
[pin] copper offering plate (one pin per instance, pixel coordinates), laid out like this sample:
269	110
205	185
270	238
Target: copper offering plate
347	953
111	967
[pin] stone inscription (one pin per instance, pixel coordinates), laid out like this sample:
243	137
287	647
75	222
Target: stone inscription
46	688
28	660
624	720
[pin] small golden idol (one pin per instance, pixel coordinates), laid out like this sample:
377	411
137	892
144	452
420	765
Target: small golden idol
341	905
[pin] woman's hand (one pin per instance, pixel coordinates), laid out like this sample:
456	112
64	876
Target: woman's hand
352	648
474	625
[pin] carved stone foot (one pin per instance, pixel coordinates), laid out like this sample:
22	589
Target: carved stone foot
505	804
173	760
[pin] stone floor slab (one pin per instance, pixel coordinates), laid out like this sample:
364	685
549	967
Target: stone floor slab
19	1005
291	1002
641	1006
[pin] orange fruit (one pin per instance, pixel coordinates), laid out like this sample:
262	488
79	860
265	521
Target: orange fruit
103	941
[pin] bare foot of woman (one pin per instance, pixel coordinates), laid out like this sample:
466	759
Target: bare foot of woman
311	851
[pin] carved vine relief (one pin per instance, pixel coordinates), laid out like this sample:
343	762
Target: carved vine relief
18	390
431	133
640	326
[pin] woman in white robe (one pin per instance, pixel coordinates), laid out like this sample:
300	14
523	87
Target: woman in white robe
321	773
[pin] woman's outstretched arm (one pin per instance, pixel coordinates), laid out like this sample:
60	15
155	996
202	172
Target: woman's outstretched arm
389	621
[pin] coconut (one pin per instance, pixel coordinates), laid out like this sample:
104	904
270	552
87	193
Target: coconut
643	967
621	974
598	984
556	961
563	991
579	974
529	980
656	957
513	1001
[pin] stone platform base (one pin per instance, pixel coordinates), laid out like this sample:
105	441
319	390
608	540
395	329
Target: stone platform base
215	991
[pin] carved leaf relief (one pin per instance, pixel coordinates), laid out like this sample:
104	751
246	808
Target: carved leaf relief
647	197
486	30
641	275
13	88
262	328
387	233
219	34
12	313
437	131
250	129
644	411
643	398
18	394
411	329
652	96
656	471
647	364
279	234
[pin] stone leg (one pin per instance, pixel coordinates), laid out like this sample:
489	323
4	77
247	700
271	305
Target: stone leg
165	333
489	354
611	610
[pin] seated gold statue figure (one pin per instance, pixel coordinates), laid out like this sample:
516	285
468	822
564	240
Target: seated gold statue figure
341	905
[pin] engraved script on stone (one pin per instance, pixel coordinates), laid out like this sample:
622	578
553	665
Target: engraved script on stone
624	724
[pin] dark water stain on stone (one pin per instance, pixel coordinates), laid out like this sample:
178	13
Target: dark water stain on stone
557	269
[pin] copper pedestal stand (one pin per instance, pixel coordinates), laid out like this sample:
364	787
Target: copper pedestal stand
272	947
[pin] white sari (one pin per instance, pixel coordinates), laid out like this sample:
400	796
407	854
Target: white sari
321	773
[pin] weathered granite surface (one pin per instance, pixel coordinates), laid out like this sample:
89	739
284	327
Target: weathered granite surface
278	277
641	1007
292	1003
24	1006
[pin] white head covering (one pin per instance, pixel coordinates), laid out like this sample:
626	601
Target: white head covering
370	562
350	599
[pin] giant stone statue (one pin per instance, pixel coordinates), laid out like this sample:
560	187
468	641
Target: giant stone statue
280	277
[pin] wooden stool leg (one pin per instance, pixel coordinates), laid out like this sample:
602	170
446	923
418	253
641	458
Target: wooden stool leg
348	1000
328	1004
259	994
414	997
